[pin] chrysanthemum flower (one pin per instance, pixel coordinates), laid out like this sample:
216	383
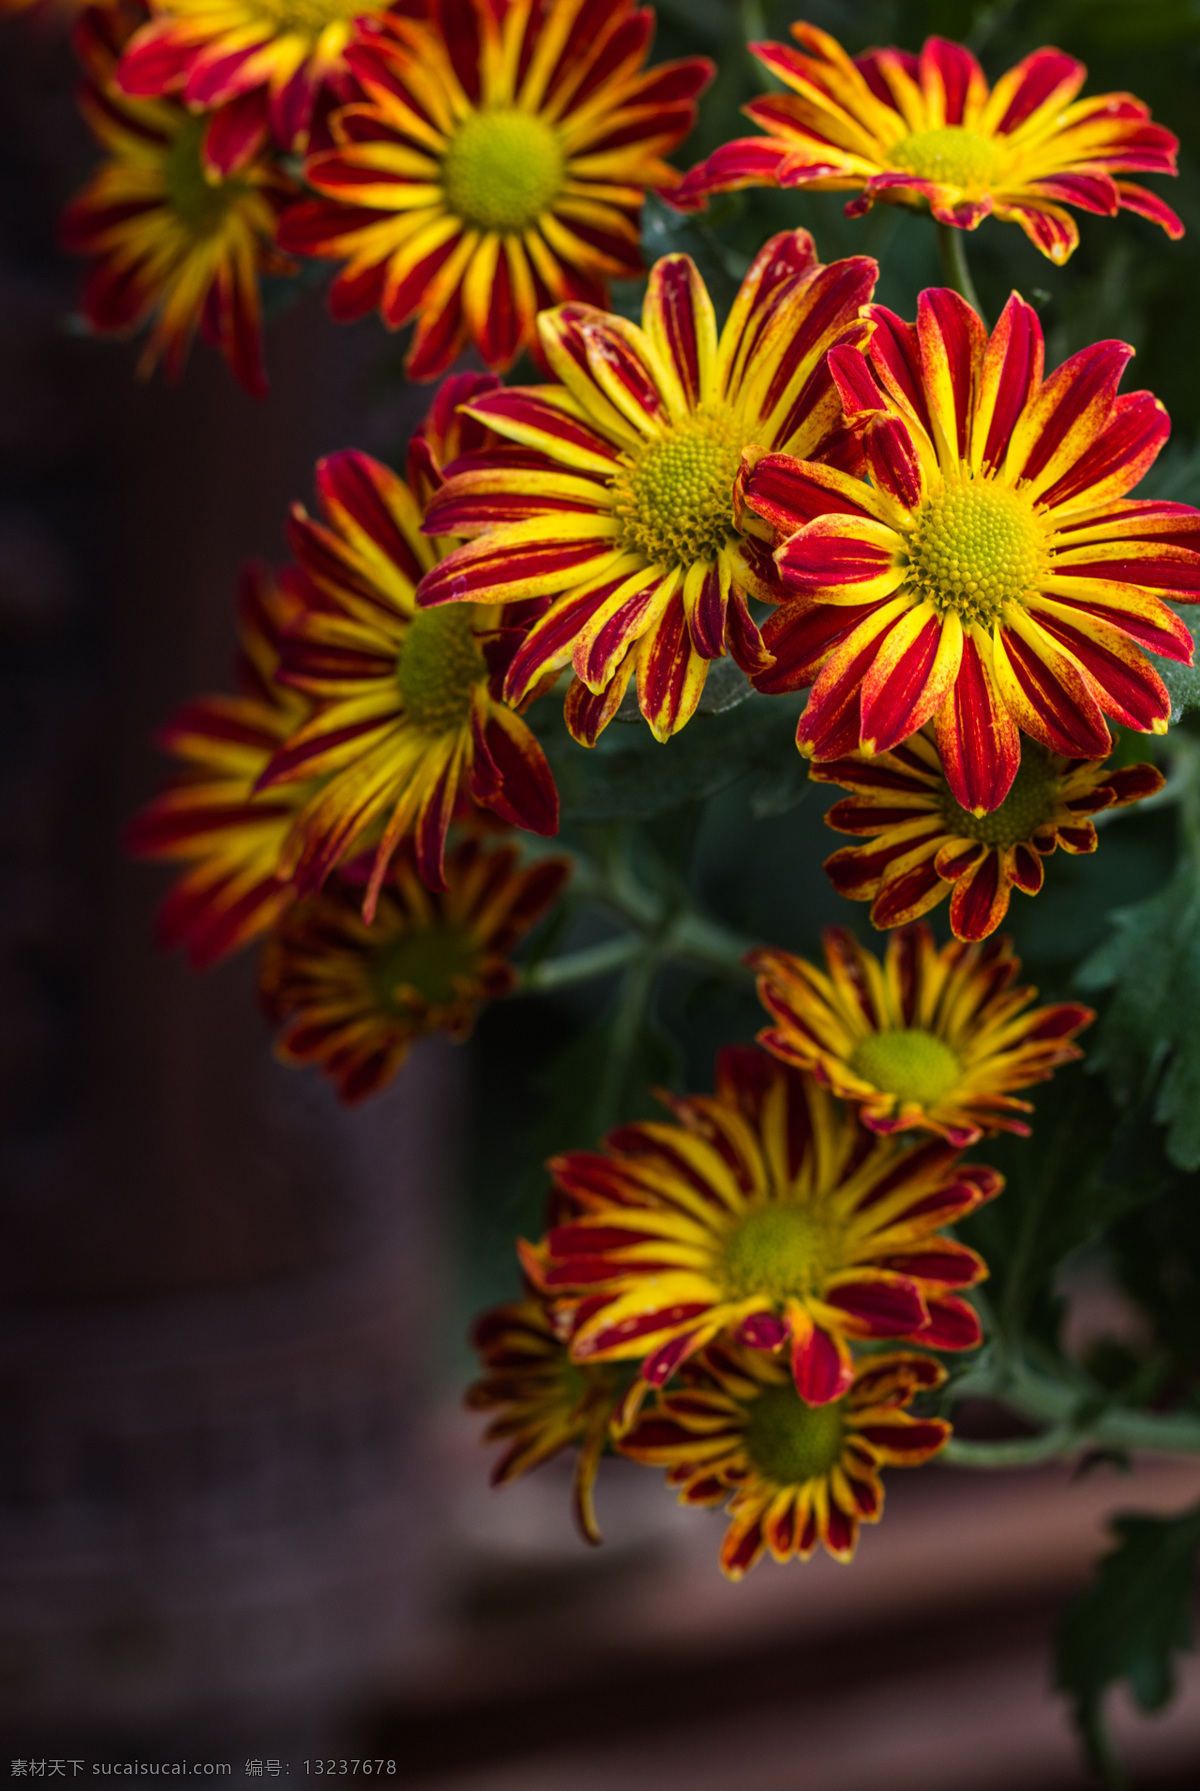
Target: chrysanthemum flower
920	845
993	575
932	1040
618	501
169	246
352	996
497	167
406	716
257	69
768	1212
545	1402
798	1474
926	131
211	817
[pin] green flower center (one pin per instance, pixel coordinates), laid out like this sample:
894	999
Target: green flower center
973	548
780	1251
910	1063
200	204
791	1442
308	18
439	666
502	169
674	497
428	961
951	155
1032	800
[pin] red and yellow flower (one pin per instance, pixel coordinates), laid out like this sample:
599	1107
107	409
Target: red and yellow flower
616	500
919	845
169	246
992	576
932	1040
544	1401
768	1213
211	816
927	132
257	68
794	1475
352	995
497	167
406	715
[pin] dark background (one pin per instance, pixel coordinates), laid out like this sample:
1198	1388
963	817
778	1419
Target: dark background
240	1513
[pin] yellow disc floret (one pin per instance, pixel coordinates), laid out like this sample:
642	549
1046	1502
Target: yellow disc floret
778	1251
974	547
437	962
790	1442
1030	803
502	169
307	18
439	667
908	1062
950	155
200	204
674	497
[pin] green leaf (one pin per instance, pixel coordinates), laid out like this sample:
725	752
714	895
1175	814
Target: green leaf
629	775
1182	681
780	790
1155	1255
1149	1038
1059	1196
1127	1625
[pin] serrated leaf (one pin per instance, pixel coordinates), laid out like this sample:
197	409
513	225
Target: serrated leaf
1129	1623
1182	681
1150	1034
629	775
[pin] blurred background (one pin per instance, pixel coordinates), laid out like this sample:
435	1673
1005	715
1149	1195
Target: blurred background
243	1518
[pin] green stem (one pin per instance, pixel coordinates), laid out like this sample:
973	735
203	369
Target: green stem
632	1001
580	966
1070	1425
960	1453
953	251
706	945
687	937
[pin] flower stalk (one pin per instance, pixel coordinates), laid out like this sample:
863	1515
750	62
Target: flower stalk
952	249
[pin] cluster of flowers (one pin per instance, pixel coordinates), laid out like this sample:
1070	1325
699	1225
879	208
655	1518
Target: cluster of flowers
472	162
469	163
950	564
350	801
697	1299
948	534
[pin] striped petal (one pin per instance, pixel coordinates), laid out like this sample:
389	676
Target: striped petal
910	676
977	737
519	564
